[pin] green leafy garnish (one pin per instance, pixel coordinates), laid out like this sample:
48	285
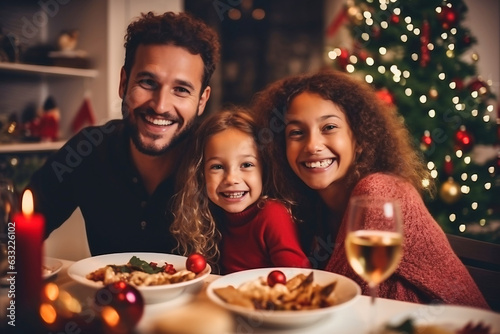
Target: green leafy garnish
141	265
406	327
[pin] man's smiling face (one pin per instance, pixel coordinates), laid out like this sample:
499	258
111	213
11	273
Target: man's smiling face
162	96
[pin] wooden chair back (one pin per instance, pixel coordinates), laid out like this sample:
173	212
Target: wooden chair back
482	259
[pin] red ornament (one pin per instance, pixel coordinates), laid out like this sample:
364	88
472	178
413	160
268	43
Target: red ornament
395	18
467	40
424	41
196	263
386	96
448	166
448	17
479	86
275	277
426	141
459	83
343	58
463	139
121	306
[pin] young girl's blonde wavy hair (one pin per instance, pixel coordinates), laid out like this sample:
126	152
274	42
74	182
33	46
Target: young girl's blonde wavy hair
194	225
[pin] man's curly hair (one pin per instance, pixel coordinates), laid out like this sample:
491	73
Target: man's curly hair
179	29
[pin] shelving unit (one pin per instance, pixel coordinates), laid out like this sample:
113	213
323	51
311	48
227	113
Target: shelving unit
30	147
52	70
41	70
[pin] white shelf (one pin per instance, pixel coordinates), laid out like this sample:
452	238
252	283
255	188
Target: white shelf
53	70
31	147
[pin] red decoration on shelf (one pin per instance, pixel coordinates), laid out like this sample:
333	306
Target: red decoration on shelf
463	139
425	56
84	116
448	17
49	121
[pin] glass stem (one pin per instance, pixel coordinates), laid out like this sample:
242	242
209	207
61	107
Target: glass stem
373	309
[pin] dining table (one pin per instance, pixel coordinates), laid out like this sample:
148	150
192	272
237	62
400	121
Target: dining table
353	319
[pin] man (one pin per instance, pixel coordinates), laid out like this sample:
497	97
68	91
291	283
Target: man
122	174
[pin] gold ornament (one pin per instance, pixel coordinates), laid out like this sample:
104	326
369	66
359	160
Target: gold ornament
475	56
433	93
450	191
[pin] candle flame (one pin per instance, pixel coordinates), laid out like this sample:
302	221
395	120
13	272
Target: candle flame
27	203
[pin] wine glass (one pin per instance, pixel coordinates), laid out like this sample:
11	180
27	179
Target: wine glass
374	241
8	205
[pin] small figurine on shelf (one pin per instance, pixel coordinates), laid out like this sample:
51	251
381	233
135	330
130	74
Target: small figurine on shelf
30	123
10	129
67	54
68	39
49	121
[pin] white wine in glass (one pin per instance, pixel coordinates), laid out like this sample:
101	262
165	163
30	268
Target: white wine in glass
374	241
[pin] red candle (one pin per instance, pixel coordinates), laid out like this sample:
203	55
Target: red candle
29	227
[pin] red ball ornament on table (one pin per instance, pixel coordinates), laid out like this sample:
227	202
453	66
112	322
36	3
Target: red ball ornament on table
275	277
196	263
121	306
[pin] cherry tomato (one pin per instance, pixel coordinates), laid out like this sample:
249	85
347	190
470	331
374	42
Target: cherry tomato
196	263
276	277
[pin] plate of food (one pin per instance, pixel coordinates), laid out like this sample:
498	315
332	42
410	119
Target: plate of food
159	277
284	296
50	267
444	319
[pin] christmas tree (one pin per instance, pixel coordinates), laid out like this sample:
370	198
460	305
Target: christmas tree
415	55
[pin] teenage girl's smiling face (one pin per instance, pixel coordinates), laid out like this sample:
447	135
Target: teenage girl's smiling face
233	172
320	145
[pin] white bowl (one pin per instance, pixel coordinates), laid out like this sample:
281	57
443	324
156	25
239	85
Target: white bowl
346	293
151	294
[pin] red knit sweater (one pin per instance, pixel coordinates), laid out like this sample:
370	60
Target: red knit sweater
429	271
260	237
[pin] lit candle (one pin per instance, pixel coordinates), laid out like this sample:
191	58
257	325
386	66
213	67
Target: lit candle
29	227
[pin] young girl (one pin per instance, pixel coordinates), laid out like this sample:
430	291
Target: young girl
224	198
332	139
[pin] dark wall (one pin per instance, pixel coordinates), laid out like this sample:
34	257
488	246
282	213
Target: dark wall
256	50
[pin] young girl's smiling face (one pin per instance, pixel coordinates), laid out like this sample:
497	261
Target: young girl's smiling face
233	172
320	145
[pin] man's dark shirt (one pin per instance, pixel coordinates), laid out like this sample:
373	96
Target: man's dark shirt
94	171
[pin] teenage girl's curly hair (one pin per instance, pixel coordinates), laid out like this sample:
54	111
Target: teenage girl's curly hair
380	133
194	225
179	29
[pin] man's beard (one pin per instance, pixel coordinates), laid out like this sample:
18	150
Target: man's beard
133	131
